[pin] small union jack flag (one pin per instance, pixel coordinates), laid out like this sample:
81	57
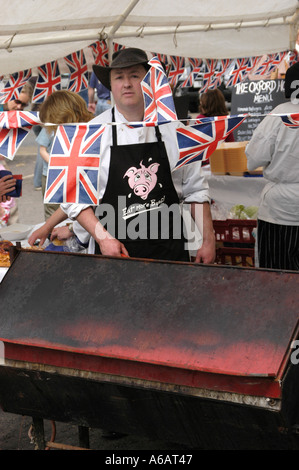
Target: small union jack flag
14	127
265	67
177	67
100	53
117	47
251	66
291	120
158	99
293	58
276	60
239	72
195	68
79	73
208	77
163	58
48	80
221	67
13	87
198	142
74	165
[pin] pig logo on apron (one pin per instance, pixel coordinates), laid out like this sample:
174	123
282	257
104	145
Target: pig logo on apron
142	180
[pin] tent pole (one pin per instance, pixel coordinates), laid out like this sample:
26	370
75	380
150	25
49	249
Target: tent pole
294	29
122	17
110	52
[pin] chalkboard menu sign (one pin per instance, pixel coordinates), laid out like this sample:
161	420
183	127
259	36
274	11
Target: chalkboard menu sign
255	97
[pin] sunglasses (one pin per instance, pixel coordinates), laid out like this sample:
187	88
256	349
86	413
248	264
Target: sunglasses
21	103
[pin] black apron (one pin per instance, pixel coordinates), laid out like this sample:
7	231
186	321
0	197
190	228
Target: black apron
141	199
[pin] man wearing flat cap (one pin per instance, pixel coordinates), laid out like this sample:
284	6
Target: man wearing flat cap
274	146
139	213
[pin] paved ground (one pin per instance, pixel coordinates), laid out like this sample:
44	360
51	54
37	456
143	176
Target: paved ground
14	428
15	434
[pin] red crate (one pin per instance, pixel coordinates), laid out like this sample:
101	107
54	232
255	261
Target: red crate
234	230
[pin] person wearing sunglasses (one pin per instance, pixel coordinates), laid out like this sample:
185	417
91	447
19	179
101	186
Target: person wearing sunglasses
23	100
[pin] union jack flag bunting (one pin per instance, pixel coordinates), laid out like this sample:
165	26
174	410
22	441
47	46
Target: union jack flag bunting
158	99
198	142
292	58
48	80
79	73
176	69
291	120
161	57
100	53
156	63
14	128
74	165
14	85
239	72
221	67
16	119
208	75
276	60
271	63
265	66
117	47
195	68
251	65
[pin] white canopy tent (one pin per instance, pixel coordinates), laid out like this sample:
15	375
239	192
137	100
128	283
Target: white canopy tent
38	31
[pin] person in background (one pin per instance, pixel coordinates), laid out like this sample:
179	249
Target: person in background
22	102
212	103
274	146
7	205
103	101
61	107
38	168
19	104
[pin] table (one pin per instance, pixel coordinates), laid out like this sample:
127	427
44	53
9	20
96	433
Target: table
230	190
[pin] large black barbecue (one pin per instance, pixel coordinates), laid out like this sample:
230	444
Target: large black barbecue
201	355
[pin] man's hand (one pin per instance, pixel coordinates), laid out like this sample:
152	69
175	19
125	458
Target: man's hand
40	234
109	245
202	215
92	107
206	253
113	247
61	233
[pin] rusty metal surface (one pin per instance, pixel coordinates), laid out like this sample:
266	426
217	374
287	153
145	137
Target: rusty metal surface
203	318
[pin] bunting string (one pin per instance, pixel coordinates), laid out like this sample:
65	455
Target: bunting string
180	71
73	171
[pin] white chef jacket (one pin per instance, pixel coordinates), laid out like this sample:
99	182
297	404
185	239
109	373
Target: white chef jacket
275	147
189	181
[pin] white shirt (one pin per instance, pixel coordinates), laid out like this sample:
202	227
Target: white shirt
189	181
275	147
